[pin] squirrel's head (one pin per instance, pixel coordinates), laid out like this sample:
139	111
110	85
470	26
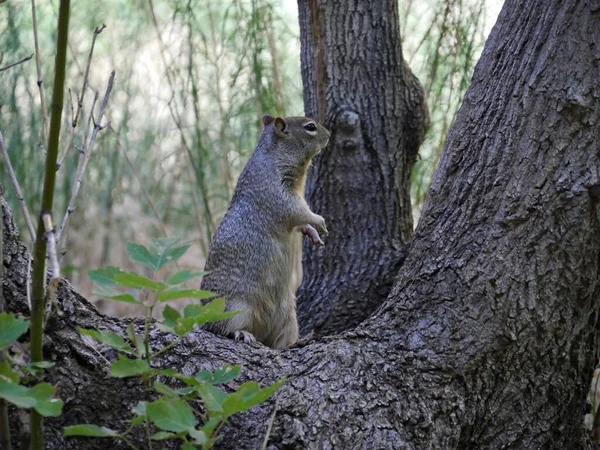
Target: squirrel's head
302	137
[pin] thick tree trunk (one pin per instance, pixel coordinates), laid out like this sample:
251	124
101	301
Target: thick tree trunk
357	83
489	336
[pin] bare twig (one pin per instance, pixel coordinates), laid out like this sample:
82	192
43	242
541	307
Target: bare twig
38	67
53	259
148	198
28	281
18	192
27	58
85	155
75	117
269	427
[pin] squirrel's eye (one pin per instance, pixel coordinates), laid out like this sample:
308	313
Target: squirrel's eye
310	127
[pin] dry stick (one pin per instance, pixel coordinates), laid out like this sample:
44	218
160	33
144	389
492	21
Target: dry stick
18	192
53	259
38	67
85	156
97	31
148	198
269	427
27	58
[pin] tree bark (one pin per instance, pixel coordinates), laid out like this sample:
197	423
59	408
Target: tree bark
489	336
358	85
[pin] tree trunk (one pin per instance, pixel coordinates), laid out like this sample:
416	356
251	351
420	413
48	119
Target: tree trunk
358	85
489	336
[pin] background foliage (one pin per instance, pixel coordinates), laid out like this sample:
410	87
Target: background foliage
193	78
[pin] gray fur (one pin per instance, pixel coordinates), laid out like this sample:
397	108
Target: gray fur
255	258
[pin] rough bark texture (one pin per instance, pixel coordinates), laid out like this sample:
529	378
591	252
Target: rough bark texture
357	83
489	336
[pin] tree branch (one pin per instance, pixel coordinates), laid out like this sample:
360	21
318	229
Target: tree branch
17	187
27	58
75	117
38	67
84	157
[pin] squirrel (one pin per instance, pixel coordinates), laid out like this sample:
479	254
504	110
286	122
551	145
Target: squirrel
255	257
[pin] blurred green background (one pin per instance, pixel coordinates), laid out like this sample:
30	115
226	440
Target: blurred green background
192	80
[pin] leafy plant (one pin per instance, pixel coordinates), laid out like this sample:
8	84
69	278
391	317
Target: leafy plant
171	412
13	370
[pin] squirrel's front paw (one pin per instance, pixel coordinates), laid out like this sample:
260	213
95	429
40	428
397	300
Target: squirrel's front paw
245	336
320	225
312	234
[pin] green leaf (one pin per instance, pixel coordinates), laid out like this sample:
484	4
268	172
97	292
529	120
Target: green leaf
169	295
178	252
89	431
138	341
221	375
162	249
126	367
105	275
133	280
139	409
126	298
170	316
171	415
188	446
161	435
105	337
165	390
7	374
209	427
183	276
140	254
45	404
198	436
139	412
248	395
11	327
16	394
42	364
212	397
38	397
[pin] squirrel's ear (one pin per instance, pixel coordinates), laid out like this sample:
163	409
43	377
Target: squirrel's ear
267	119
280	127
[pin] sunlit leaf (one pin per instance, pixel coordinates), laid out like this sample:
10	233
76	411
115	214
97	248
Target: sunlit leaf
140	254
212	397
183	276
161	435
105	275
198	436
133	280
221	375
45	404
247	396
105	337
89	431
125	367
166	296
